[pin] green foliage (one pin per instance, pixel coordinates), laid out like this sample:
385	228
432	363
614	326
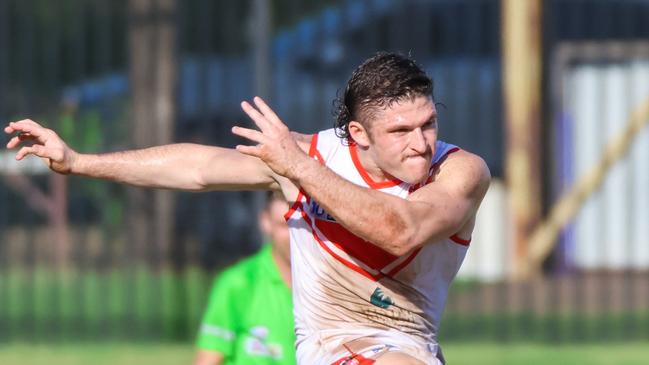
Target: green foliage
119	303
96	354
539	354
84	131
549	327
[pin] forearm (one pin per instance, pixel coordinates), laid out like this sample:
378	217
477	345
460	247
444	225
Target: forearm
175	166
380	218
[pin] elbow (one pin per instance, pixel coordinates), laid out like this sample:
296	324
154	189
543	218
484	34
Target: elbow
413	236
404	241
198	182
401	234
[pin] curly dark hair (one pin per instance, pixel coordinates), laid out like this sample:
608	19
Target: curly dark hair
380	81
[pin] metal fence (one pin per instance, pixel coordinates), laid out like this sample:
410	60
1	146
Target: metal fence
75	261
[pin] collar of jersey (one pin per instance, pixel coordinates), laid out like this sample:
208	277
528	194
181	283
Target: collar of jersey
366	176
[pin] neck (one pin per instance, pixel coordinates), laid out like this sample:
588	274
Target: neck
367	163
283	265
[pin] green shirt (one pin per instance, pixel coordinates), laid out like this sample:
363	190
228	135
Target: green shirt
249	316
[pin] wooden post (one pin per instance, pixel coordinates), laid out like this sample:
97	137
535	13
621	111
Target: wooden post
521	44
153	74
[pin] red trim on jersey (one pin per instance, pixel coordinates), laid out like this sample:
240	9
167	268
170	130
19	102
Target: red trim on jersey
313	146
358	359
365	251
313	152
295	205
366	176
459	240
313	149
343	261
371	262
404	263
432	169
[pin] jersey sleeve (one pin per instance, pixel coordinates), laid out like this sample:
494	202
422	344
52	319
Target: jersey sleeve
218	329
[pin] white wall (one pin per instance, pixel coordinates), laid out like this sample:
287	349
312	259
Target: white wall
612	230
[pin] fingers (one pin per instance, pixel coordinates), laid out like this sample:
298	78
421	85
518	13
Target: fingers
267	111
262	114
29	150
251	134
249	150
260	120
13	142
28	129
20	125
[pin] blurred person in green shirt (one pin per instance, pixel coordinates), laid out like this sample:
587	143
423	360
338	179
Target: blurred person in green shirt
249	316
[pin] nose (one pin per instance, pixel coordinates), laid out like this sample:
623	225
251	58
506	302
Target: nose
418	141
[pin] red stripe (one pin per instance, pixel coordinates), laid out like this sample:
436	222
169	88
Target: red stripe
295	206
313	149
358	360
360	249
432	169
313	152
457	239
343	261
319	157
404	263
313	146
366	177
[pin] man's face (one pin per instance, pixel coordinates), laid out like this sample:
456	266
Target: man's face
274	226
402	138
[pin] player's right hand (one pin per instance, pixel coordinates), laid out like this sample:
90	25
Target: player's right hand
42	142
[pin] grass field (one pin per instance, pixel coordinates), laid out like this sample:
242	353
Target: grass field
635	353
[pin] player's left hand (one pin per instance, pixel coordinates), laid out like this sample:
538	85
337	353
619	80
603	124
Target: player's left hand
275	143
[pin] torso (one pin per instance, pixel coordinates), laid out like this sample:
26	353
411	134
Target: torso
346	288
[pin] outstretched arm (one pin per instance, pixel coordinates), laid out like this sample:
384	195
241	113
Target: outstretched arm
177	166
438	210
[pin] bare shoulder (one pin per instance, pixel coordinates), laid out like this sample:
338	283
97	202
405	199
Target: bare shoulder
466	171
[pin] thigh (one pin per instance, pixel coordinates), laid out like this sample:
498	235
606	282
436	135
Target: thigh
396	358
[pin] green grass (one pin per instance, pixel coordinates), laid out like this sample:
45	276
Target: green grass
166	305
635	353
129	303
96	354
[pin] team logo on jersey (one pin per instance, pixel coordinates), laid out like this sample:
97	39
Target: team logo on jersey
379	299
318	212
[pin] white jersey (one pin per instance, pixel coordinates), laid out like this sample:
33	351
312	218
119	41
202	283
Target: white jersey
346	288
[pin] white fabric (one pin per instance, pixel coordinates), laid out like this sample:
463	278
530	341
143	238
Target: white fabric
333	288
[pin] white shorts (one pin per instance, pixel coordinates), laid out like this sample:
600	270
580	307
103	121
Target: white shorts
356	346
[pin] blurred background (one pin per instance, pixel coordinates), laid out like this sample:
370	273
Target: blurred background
553	94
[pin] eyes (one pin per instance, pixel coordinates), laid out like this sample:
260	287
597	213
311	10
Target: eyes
431	124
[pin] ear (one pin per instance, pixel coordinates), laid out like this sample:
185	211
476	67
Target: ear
359	133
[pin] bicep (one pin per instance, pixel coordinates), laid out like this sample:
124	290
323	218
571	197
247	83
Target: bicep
227	169
445	205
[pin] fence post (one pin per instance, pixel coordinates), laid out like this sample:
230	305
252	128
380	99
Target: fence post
152	41
521	38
